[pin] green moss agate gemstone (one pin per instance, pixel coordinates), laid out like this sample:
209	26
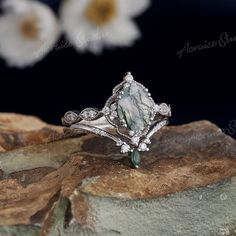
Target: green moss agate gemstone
135	107
135	158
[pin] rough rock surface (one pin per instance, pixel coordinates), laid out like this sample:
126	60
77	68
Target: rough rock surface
19	130
186	184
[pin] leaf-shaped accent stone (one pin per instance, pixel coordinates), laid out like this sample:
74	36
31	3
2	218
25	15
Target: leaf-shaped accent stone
135	158
89	114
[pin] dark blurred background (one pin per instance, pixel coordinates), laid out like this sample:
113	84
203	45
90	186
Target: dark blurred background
198	85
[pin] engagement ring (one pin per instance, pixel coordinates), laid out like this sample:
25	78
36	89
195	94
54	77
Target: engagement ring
130	117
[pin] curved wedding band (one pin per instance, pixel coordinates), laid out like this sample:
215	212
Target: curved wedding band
130	112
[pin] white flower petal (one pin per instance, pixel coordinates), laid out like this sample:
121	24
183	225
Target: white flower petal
80	32
16	6
122	32
16	49
133	8
86	36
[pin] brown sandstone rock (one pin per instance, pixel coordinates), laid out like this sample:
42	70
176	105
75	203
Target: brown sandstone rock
20	130
186	185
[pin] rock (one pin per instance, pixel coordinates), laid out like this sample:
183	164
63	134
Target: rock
186	185
49	155
25	230
2	149
19	130
27	201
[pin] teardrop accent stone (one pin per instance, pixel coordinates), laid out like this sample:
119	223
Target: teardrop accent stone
135	107
135	158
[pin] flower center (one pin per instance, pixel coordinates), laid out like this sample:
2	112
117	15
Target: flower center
29	28
101	12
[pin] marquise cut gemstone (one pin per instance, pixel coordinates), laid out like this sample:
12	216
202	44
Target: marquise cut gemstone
135	107
135	158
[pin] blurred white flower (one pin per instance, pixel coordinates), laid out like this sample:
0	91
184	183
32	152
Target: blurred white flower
94	24
28	31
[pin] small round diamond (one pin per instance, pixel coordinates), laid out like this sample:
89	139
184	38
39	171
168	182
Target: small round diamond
135	140
114	114
92	114
156	108
119	143
142	147
122	121
129	78
164	109
131	133
125	148
113	106
147	141
126	85
106	110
